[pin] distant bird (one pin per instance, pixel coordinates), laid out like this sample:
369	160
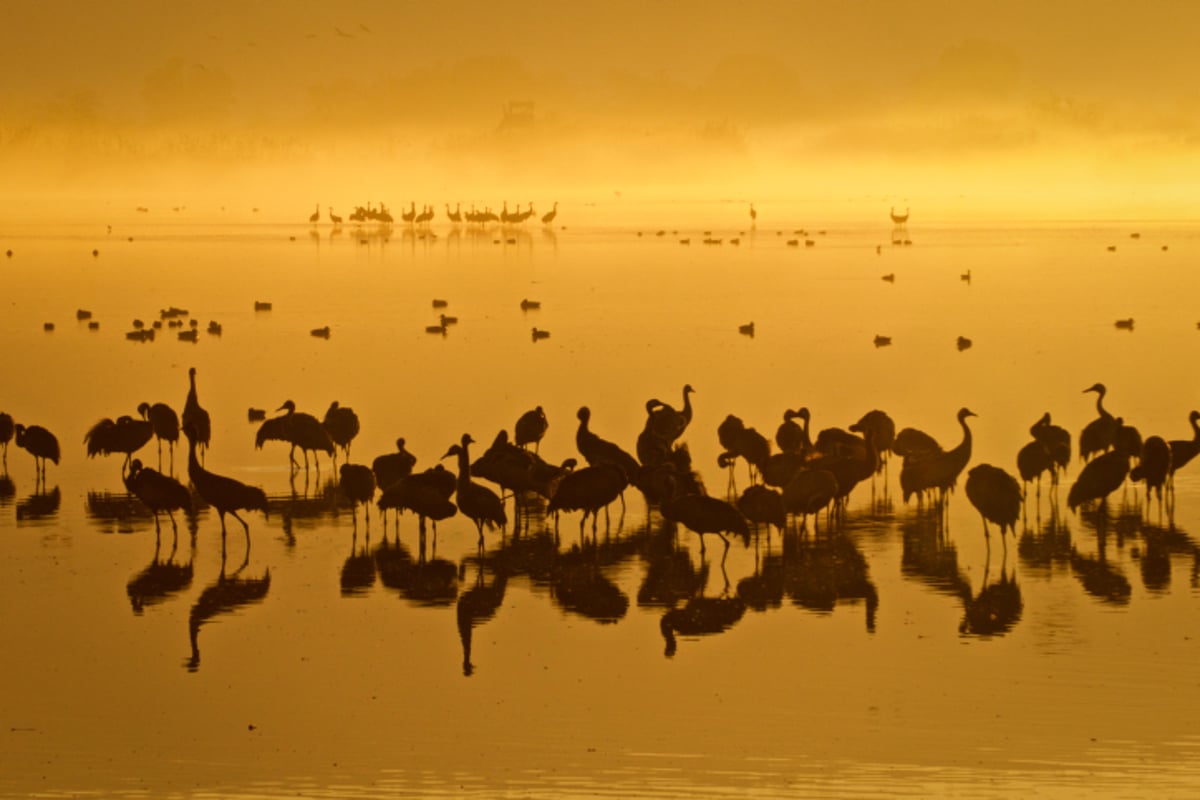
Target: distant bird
38	442
531	427
996	495
158	492
588	490
963	343
539	334
882	341
439	303
1184	450
389	468
1154	466
530	305
891	276
315	217
1124	324
357	483
6	434
937	472
549	216
965	277
334	218
126	435
753	215
320	333
1099	434
479	503
747	329
226	495
341	424
299	430
899	219
165	423
1099	478
195	416
703	515
256	414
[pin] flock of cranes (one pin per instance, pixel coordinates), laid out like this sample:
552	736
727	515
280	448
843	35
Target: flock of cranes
800	476
369	213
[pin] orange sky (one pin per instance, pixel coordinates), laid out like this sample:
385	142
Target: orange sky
1072	107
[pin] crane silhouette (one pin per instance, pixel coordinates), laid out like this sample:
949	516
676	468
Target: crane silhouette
195	416
158	492
596	450
808	492
357	483
1154	467
549	216
665	422
588	490
426	494
334	218
165	424
703	515
997	496
40	443
299	430
1099	434
391	467
315	217
791	436
6	435
1099	478
341	424
937	472
530	428
1184	450
227	495
479	503
126	435
761	505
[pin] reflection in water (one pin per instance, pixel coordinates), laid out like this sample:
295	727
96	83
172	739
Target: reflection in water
8	490
701	615
1099	578
114	512
995	610
159	580
301	506
929	556
765	588
578	586
229	593
39	506
1051	545
670	574
476	606
818	573
358	570
425	582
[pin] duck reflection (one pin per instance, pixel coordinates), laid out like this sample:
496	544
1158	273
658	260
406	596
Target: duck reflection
39	507
228	594
476	606
818	573
578	586
158	581
996	609
358	570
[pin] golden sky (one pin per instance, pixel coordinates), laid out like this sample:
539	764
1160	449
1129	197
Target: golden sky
1084	106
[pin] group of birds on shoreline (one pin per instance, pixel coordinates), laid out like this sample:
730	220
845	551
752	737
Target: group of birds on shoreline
804	476
427	213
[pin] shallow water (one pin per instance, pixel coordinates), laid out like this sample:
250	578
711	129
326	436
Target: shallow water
319	673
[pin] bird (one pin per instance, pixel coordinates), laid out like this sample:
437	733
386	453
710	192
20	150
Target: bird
299	430
320	333
256	414
479	503
439	303
530	305
937	471
882	430
667	423
227	495
588	490
389	468
1057	442
6	434
126	435
315	217
1098	435
357	483
334	218
1184	450
165	424
790	436
341	424
963	343
596	450
38	442
1154	466
747	329
1032	460
539	334
882	341
753	215
740	441
530	428
195	416
157	491
762	505
1124	324
426	494
1099	478
996	495
809	491
549	216
703	515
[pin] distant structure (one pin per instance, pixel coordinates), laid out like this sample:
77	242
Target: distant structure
517	115
899	219
899	226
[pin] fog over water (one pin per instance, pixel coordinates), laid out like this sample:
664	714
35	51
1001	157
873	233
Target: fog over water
986	110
